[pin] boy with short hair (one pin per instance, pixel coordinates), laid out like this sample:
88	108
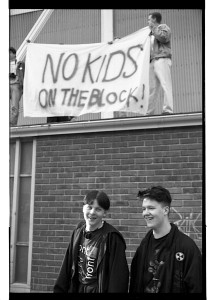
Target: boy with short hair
167	260
95	260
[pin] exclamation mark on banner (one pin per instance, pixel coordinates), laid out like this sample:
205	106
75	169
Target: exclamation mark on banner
143	88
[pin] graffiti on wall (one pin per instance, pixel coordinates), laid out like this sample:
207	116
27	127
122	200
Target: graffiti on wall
189	223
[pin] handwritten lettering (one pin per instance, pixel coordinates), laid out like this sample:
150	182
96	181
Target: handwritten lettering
47	98
111	98
88	68
143	88
77	98
131	96
109	63
116	60
50	60
132	60
96	98
76	62
80	79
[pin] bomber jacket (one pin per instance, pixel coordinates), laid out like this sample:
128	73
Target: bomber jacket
112	268
177	275
162	42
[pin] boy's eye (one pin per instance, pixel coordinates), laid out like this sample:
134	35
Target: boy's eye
98	209
148	208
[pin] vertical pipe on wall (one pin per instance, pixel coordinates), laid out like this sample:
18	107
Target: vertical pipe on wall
30	242
13	228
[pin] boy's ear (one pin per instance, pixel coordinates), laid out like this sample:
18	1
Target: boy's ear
166	210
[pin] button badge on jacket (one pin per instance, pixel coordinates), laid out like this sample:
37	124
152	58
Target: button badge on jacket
179	256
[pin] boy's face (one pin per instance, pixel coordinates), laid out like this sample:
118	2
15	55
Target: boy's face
93	214
154	213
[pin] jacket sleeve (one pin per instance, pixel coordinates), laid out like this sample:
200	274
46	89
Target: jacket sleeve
162	33
118	267
193	269
134	274
63	280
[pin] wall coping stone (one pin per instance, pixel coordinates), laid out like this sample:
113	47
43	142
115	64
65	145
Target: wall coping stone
107	125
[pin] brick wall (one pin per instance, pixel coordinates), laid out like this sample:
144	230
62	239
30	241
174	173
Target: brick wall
120	163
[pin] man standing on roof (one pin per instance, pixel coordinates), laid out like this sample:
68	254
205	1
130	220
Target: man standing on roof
160	64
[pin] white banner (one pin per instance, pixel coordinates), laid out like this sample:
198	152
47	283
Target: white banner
71	80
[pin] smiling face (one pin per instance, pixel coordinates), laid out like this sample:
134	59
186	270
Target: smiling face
155	213
93	215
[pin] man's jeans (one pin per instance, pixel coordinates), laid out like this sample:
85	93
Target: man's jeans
160	76
16	92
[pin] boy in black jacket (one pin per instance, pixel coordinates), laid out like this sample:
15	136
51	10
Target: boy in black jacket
167	260
95	260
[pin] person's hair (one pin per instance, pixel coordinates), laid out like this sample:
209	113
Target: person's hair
157	16
100	196
12	49
157	193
